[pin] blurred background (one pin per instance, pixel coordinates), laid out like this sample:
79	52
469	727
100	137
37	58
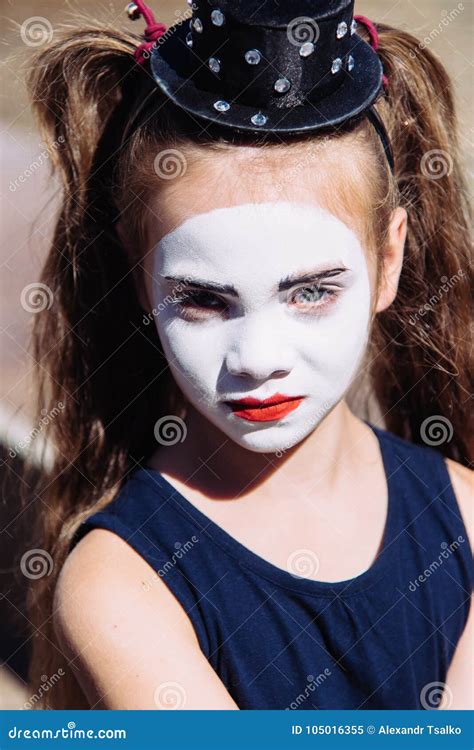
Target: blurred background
28	203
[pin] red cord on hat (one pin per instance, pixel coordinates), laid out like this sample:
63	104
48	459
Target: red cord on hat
152	32
374	38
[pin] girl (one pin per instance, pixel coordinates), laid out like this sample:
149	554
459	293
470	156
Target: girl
239	242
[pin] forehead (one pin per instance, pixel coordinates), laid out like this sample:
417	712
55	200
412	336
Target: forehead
303	174
252	238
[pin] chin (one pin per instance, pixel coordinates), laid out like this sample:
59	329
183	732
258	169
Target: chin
267	439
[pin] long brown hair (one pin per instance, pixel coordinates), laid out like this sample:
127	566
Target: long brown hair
99	360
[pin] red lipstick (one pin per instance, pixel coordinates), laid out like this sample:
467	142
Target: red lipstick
268	410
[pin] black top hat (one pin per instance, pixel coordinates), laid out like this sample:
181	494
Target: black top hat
280	66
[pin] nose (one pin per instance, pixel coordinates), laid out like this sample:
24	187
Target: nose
259	350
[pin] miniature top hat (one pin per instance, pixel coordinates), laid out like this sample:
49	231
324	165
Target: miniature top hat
281	66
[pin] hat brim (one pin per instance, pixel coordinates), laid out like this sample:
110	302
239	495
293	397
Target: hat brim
357	92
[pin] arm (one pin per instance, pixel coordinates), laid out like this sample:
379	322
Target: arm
460	680
133	647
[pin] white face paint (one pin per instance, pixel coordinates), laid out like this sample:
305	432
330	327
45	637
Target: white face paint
248	339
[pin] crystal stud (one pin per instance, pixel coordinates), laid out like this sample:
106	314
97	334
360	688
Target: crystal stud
259	119
221	105
350	62
336	65
217	17
197	25
341	29
189	39
282	85
306	49
214	64
353	26
253	56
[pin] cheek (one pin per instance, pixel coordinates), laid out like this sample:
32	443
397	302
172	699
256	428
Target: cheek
332	344
186	347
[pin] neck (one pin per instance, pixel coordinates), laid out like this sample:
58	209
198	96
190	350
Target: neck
215	465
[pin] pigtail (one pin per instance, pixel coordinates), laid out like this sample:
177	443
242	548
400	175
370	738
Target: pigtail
92	350
74	85
421	370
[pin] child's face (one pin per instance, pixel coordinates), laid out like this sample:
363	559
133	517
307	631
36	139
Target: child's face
261	322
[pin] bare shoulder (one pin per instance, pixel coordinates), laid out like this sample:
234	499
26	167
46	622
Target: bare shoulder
102	576
462	479
127	634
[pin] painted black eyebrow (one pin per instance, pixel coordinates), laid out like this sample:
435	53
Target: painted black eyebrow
207	286
286	283
308	278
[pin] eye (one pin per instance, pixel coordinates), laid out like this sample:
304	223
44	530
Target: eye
198	303
311	297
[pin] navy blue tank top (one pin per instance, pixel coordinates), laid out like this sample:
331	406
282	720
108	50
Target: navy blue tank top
277	641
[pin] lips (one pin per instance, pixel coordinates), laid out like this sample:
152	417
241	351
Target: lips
268	410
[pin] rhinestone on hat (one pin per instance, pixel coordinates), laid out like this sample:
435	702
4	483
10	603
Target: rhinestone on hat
306	49
336	65
282	85
353	26
197	25
253	56
341	29
214	64
350	62
259	119
221	105
189	39
217	17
